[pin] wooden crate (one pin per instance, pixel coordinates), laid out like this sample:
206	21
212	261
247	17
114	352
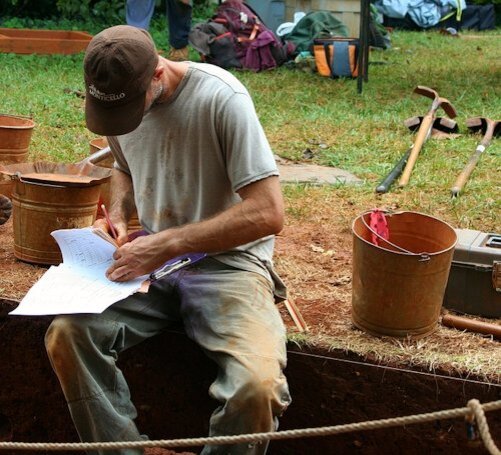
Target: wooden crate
27	41
348	11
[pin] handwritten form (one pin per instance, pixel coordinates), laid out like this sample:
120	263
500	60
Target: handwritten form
78	284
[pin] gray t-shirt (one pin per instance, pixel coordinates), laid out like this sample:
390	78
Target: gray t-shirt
192	153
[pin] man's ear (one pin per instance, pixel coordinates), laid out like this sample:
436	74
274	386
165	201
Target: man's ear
159	71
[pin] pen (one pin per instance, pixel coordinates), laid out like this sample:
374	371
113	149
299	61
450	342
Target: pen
110	224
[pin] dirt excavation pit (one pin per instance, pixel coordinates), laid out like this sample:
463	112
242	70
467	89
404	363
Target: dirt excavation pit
337	373
169	377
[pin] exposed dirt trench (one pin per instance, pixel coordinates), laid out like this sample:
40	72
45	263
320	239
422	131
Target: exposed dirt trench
343	376
169	377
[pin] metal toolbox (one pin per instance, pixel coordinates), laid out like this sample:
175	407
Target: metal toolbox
474	284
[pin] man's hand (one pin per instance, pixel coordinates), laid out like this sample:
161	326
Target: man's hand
261	213
120	227
136	258
121	207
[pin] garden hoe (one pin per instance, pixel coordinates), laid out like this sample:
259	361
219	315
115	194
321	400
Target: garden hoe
489	128
443	125
425	128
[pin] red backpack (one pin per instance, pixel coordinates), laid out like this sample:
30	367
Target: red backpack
236	37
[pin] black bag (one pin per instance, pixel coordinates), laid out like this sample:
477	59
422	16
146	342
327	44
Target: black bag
478	17
215	44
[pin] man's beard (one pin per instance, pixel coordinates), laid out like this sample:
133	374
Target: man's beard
156	97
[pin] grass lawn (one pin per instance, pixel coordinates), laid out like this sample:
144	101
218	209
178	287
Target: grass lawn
309	118
315	119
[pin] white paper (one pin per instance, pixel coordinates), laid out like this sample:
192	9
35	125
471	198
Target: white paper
79	284
83	248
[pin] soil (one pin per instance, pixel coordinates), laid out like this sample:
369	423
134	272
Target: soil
314	257
169	377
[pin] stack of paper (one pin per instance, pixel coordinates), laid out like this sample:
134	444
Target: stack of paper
78	284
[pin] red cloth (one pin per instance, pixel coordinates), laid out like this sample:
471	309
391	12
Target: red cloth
379	225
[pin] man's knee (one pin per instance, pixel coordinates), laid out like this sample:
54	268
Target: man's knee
60	338
264	391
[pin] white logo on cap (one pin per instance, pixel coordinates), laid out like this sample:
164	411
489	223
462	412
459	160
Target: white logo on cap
104	96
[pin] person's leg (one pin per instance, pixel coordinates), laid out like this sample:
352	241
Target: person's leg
232	315
138	13
179	22
83	350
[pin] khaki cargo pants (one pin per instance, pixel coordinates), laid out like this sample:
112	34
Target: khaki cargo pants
230	313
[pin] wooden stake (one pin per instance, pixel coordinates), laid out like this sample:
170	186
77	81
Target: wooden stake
296	315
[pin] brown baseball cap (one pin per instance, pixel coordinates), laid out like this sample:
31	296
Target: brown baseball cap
118	68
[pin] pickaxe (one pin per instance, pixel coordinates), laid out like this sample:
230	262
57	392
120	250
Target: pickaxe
442	124
489	128
425	128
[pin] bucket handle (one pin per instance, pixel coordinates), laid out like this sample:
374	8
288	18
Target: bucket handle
423	256
17	176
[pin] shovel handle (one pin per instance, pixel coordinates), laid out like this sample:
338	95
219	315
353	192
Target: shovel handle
422	135
466	172
97	157
385	184
472	325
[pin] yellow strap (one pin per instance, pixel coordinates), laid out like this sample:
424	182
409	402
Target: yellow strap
459	12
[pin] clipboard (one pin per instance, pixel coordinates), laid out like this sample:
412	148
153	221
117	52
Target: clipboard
176	264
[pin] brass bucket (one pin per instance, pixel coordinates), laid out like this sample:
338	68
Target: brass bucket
95	145
50	196
15	137
40	208
399	285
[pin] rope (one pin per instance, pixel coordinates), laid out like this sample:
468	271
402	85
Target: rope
477	410
474	408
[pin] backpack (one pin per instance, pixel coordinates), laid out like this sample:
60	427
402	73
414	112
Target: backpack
236	37
336	57
315	25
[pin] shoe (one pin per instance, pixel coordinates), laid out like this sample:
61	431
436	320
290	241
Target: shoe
160	451
178	55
